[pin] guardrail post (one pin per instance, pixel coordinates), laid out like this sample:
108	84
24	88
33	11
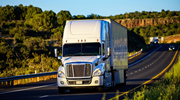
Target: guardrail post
44	78
48	77
15	82
19	82
24	82
8	83
51	76
4	84
0	84
31	80
37	79
12	82
54	76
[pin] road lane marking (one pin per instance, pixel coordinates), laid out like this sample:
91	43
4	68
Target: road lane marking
28	88
144	57
151	63
44	96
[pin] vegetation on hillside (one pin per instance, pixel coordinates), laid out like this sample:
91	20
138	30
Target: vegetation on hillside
28	36
166	89
157	30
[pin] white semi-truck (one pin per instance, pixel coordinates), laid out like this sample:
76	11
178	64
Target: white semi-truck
94	55
154	40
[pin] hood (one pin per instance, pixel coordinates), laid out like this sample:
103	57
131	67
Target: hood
90	59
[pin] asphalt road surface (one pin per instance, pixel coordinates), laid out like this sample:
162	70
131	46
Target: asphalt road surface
141	69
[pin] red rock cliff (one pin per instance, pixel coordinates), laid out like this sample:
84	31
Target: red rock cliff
130	23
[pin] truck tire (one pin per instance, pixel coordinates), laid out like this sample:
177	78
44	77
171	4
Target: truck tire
101	89
61	90
124	84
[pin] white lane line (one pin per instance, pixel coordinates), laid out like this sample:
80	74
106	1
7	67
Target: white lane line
131	73
44	96
28	88
145	57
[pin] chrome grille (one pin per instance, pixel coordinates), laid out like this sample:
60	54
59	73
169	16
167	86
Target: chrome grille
69	70
81	70
78	70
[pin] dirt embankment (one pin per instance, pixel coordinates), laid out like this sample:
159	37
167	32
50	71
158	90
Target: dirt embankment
172	38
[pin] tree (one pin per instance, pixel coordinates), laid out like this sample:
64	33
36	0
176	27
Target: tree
163	13
31	11
58	32
171	13
22	12
142	32
7	13
62	16
79	17
42	22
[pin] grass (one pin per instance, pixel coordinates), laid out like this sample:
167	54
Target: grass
166	89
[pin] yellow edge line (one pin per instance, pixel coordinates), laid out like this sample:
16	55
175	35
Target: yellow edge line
134	56
117	96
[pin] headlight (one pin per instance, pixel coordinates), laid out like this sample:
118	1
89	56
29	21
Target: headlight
97	72
61	74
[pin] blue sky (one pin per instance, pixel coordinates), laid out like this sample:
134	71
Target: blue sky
100	7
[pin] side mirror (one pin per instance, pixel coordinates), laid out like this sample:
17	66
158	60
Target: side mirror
59	57
98	56
55	52
108	51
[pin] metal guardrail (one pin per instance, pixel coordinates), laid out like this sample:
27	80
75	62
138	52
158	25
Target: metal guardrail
136	54
25	79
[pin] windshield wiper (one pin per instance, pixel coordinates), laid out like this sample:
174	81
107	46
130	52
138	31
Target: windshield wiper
69	55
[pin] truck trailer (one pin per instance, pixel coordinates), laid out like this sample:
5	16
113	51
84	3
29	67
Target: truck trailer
94	55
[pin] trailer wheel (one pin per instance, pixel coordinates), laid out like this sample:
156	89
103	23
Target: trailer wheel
61	90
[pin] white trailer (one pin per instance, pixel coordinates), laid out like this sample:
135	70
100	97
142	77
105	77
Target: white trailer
94	54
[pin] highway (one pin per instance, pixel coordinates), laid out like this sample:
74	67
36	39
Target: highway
141	69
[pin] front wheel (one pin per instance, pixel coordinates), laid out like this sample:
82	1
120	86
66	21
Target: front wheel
101	89
61	90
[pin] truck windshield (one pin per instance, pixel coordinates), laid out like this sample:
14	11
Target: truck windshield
82	49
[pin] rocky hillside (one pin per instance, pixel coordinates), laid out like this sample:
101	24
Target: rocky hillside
131	23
